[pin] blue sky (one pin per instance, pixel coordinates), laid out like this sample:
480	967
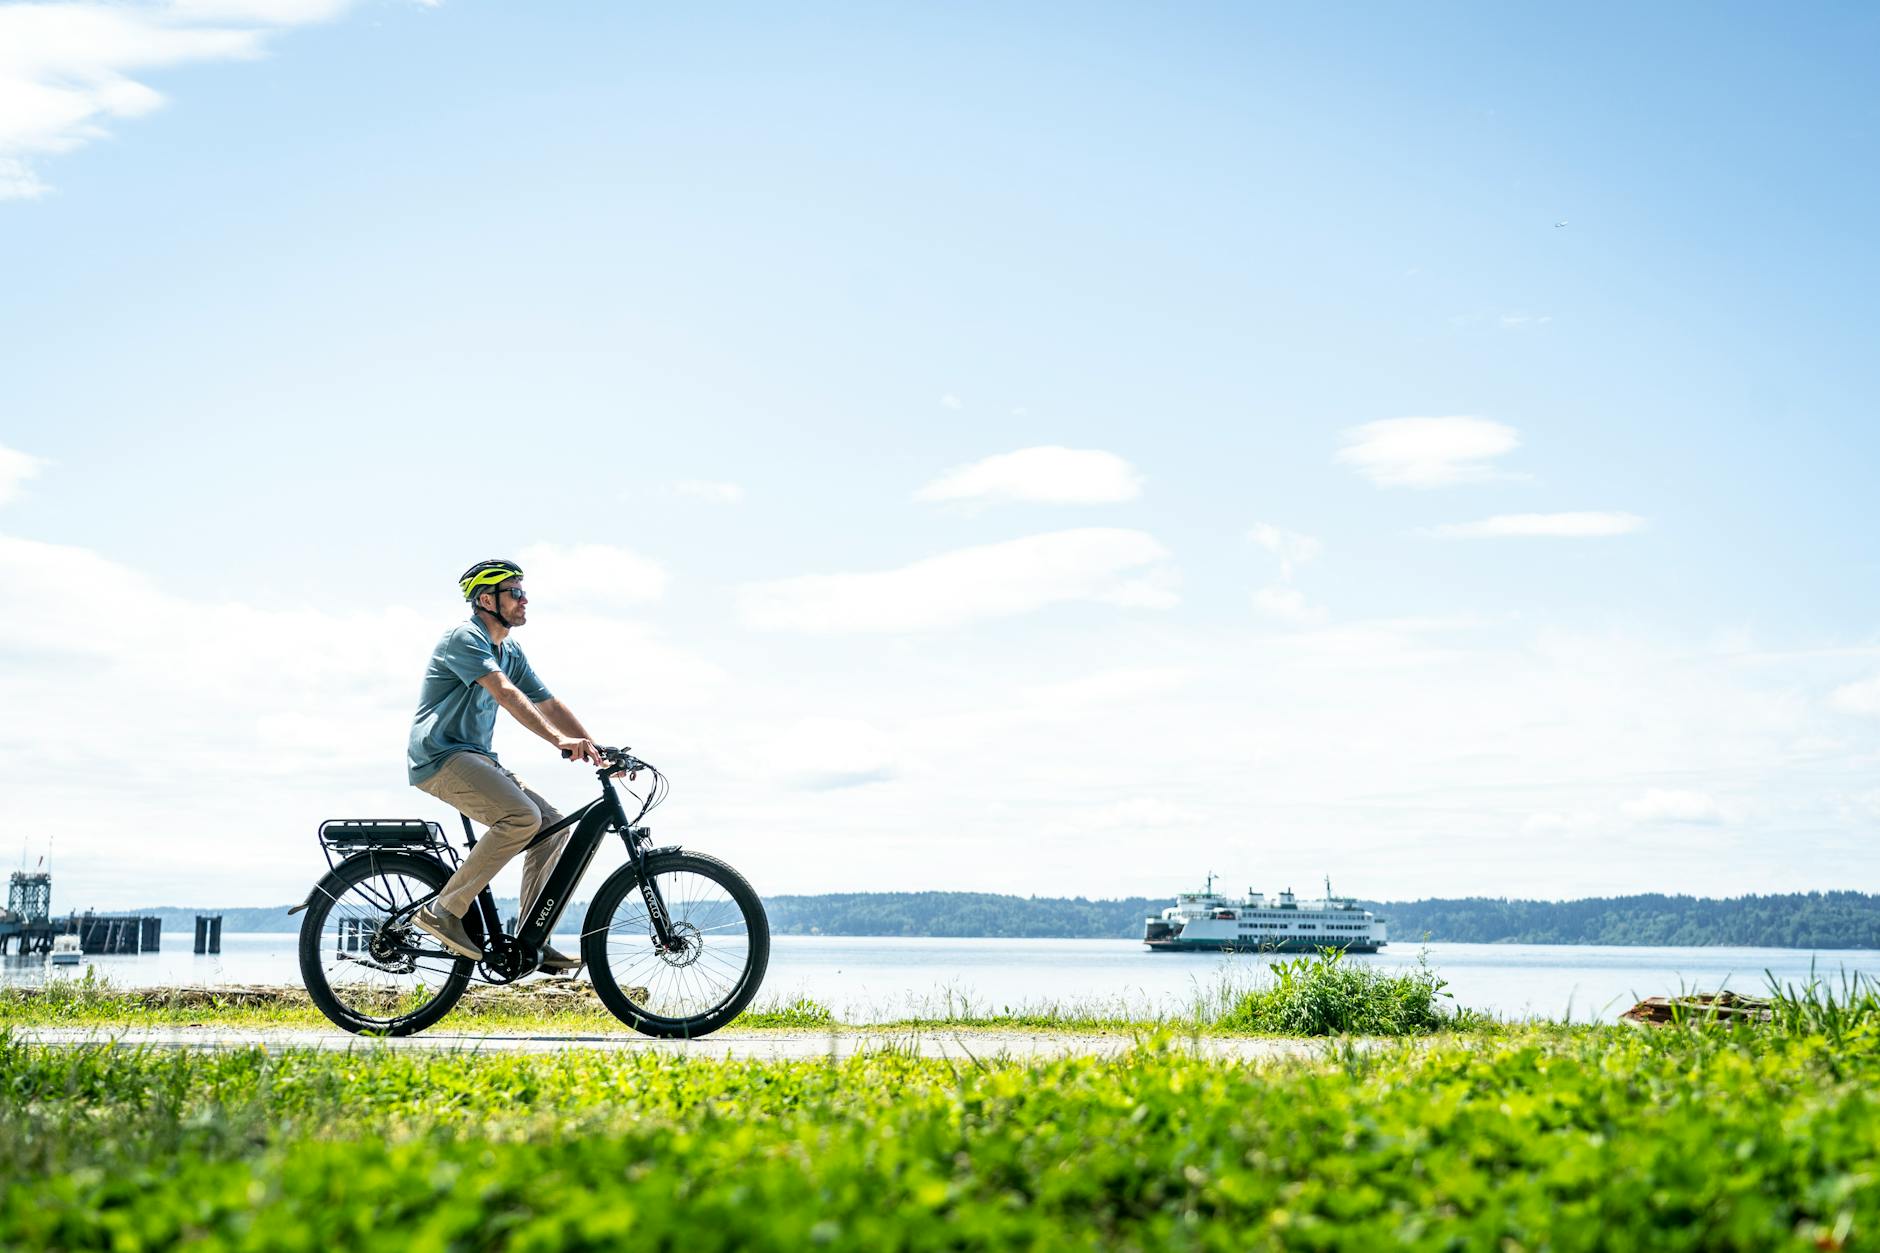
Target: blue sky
1319	505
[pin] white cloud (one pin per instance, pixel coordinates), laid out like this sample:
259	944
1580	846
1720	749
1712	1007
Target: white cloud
1288	604
18	182
951	401
1666	805
1381	643
1554	825
15	468
591	575
1134	814
827	754
1427	452
1405	758
269	12
1018	576
715	493
1584	525
302	711
1108	687
1048	475
1862	697
1292	548
66	68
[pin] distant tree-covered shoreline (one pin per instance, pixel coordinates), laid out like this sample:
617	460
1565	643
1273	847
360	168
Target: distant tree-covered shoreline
1811	920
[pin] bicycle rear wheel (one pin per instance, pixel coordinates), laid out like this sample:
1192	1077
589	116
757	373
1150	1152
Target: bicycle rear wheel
367	967
710	974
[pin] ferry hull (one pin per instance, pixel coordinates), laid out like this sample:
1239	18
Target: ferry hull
1259	946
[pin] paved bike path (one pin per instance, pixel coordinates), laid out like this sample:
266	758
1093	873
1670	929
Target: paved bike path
963	1045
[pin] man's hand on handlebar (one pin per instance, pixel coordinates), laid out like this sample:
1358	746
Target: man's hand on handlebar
577	749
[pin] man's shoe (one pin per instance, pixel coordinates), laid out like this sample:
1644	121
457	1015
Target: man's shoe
558	963
448	928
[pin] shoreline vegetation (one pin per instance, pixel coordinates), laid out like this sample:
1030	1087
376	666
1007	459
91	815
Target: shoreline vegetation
1319	995
1322	995
1701	1135
1315	995
1800	920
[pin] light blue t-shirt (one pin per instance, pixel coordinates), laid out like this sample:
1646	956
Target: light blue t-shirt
455	713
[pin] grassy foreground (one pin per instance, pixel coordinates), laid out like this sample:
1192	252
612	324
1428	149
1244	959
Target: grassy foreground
1583	1138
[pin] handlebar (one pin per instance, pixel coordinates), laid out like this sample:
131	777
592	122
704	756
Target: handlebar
616	760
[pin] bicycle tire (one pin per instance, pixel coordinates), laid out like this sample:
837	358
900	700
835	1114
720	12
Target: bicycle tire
616	943
344	888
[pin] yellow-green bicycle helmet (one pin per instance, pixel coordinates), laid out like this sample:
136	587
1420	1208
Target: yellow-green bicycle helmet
487	574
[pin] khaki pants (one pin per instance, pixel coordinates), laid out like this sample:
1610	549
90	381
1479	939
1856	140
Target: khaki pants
476	786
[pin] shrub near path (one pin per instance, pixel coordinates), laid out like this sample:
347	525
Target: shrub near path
1607	1138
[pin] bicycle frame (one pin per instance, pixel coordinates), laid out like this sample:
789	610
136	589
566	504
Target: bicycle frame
591	824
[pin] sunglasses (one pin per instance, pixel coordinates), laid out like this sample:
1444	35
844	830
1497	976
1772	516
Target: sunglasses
517	592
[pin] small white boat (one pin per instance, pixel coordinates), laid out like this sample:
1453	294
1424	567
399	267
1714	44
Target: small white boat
66	951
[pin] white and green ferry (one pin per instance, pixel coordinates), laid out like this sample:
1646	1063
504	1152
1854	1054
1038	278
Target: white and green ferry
1210	922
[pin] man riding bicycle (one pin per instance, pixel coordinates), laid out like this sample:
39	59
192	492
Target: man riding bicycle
474	668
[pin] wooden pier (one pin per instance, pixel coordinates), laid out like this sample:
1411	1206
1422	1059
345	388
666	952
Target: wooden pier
27	925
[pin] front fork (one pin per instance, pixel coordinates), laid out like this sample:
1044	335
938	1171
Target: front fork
663	934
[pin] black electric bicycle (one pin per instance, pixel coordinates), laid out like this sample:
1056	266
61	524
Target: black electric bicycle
676	942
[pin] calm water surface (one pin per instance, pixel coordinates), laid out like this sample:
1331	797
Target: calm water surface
871	978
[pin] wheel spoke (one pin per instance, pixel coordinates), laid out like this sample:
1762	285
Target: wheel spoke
712	961
375	964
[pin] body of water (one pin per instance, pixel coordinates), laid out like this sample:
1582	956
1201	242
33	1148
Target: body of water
866	978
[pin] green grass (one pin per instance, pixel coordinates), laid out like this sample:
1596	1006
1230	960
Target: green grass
1319	995
90	1001
1325	995
1569	1138
1849	1012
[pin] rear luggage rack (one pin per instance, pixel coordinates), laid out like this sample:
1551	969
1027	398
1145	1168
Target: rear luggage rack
343	837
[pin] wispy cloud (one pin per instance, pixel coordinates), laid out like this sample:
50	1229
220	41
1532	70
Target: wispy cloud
16	467
950	401
1109	687
1667	805
1862	697
591	575
1557	525
1046	475
1100	564
829	754
18	182
1287	604
1427	452
66	70
319	736
714	493
1292	548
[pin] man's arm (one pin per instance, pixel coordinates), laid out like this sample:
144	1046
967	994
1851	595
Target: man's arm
578	746
562	719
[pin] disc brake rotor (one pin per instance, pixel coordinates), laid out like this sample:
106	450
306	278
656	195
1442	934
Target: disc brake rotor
389	949
686	947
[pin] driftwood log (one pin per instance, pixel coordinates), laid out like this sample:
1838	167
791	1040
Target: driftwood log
1697	1007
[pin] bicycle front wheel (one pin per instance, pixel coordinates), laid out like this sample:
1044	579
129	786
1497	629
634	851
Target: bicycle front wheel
367	966
711	970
